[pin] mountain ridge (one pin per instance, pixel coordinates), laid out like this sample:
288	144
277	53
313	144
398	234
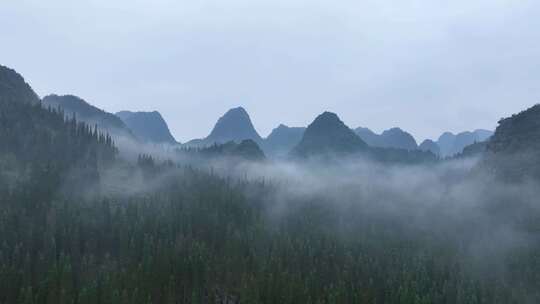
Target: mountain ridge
451	144
235	125
147	126
327	134
513	151
84	111
282	139
15	88
392	138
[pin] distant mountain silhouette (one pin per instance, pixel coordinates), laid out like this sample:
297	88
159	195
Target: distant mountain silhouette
85	112
482	135
282	139
194	143
368	136
328	135
392	138
451	144
397	138
14	88
431	146
513	151
446	144
235	125
147	126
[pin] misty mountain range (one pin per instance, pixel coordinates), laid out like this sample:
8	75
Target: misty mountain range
236	125
392	138
451	144
282	140
375	220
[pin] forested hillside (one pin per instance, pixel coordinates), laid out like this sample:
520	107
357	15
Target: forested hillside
44	144
74	106
78	225
199	238
514	150
246	150
13	88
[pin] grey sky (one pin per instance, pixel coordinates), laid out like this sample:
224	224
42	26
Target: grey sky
425	66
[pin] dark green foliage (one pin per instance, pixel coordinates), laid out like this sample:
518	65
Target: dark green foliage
476	149
188	236
245	150
13	88
391	155
85	112
40	147
199	238
513	151
518	132
39	142
150	168
248	149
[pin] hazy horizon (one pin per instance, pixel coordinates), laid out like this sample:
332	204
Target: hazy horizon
424	67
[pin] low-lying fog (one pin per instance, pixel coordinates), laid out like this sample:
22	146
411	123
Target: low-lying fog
452	200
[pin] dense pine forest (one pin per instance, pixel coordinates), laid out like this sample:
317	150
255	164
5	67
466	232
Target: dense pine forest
81	224
200	238
44	149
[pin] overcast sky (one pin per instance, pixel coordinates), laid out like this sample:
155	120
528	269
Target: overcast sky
425	66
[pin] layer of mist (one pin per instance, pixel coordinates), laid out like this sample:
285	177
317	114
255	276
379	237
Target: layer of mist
452	202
